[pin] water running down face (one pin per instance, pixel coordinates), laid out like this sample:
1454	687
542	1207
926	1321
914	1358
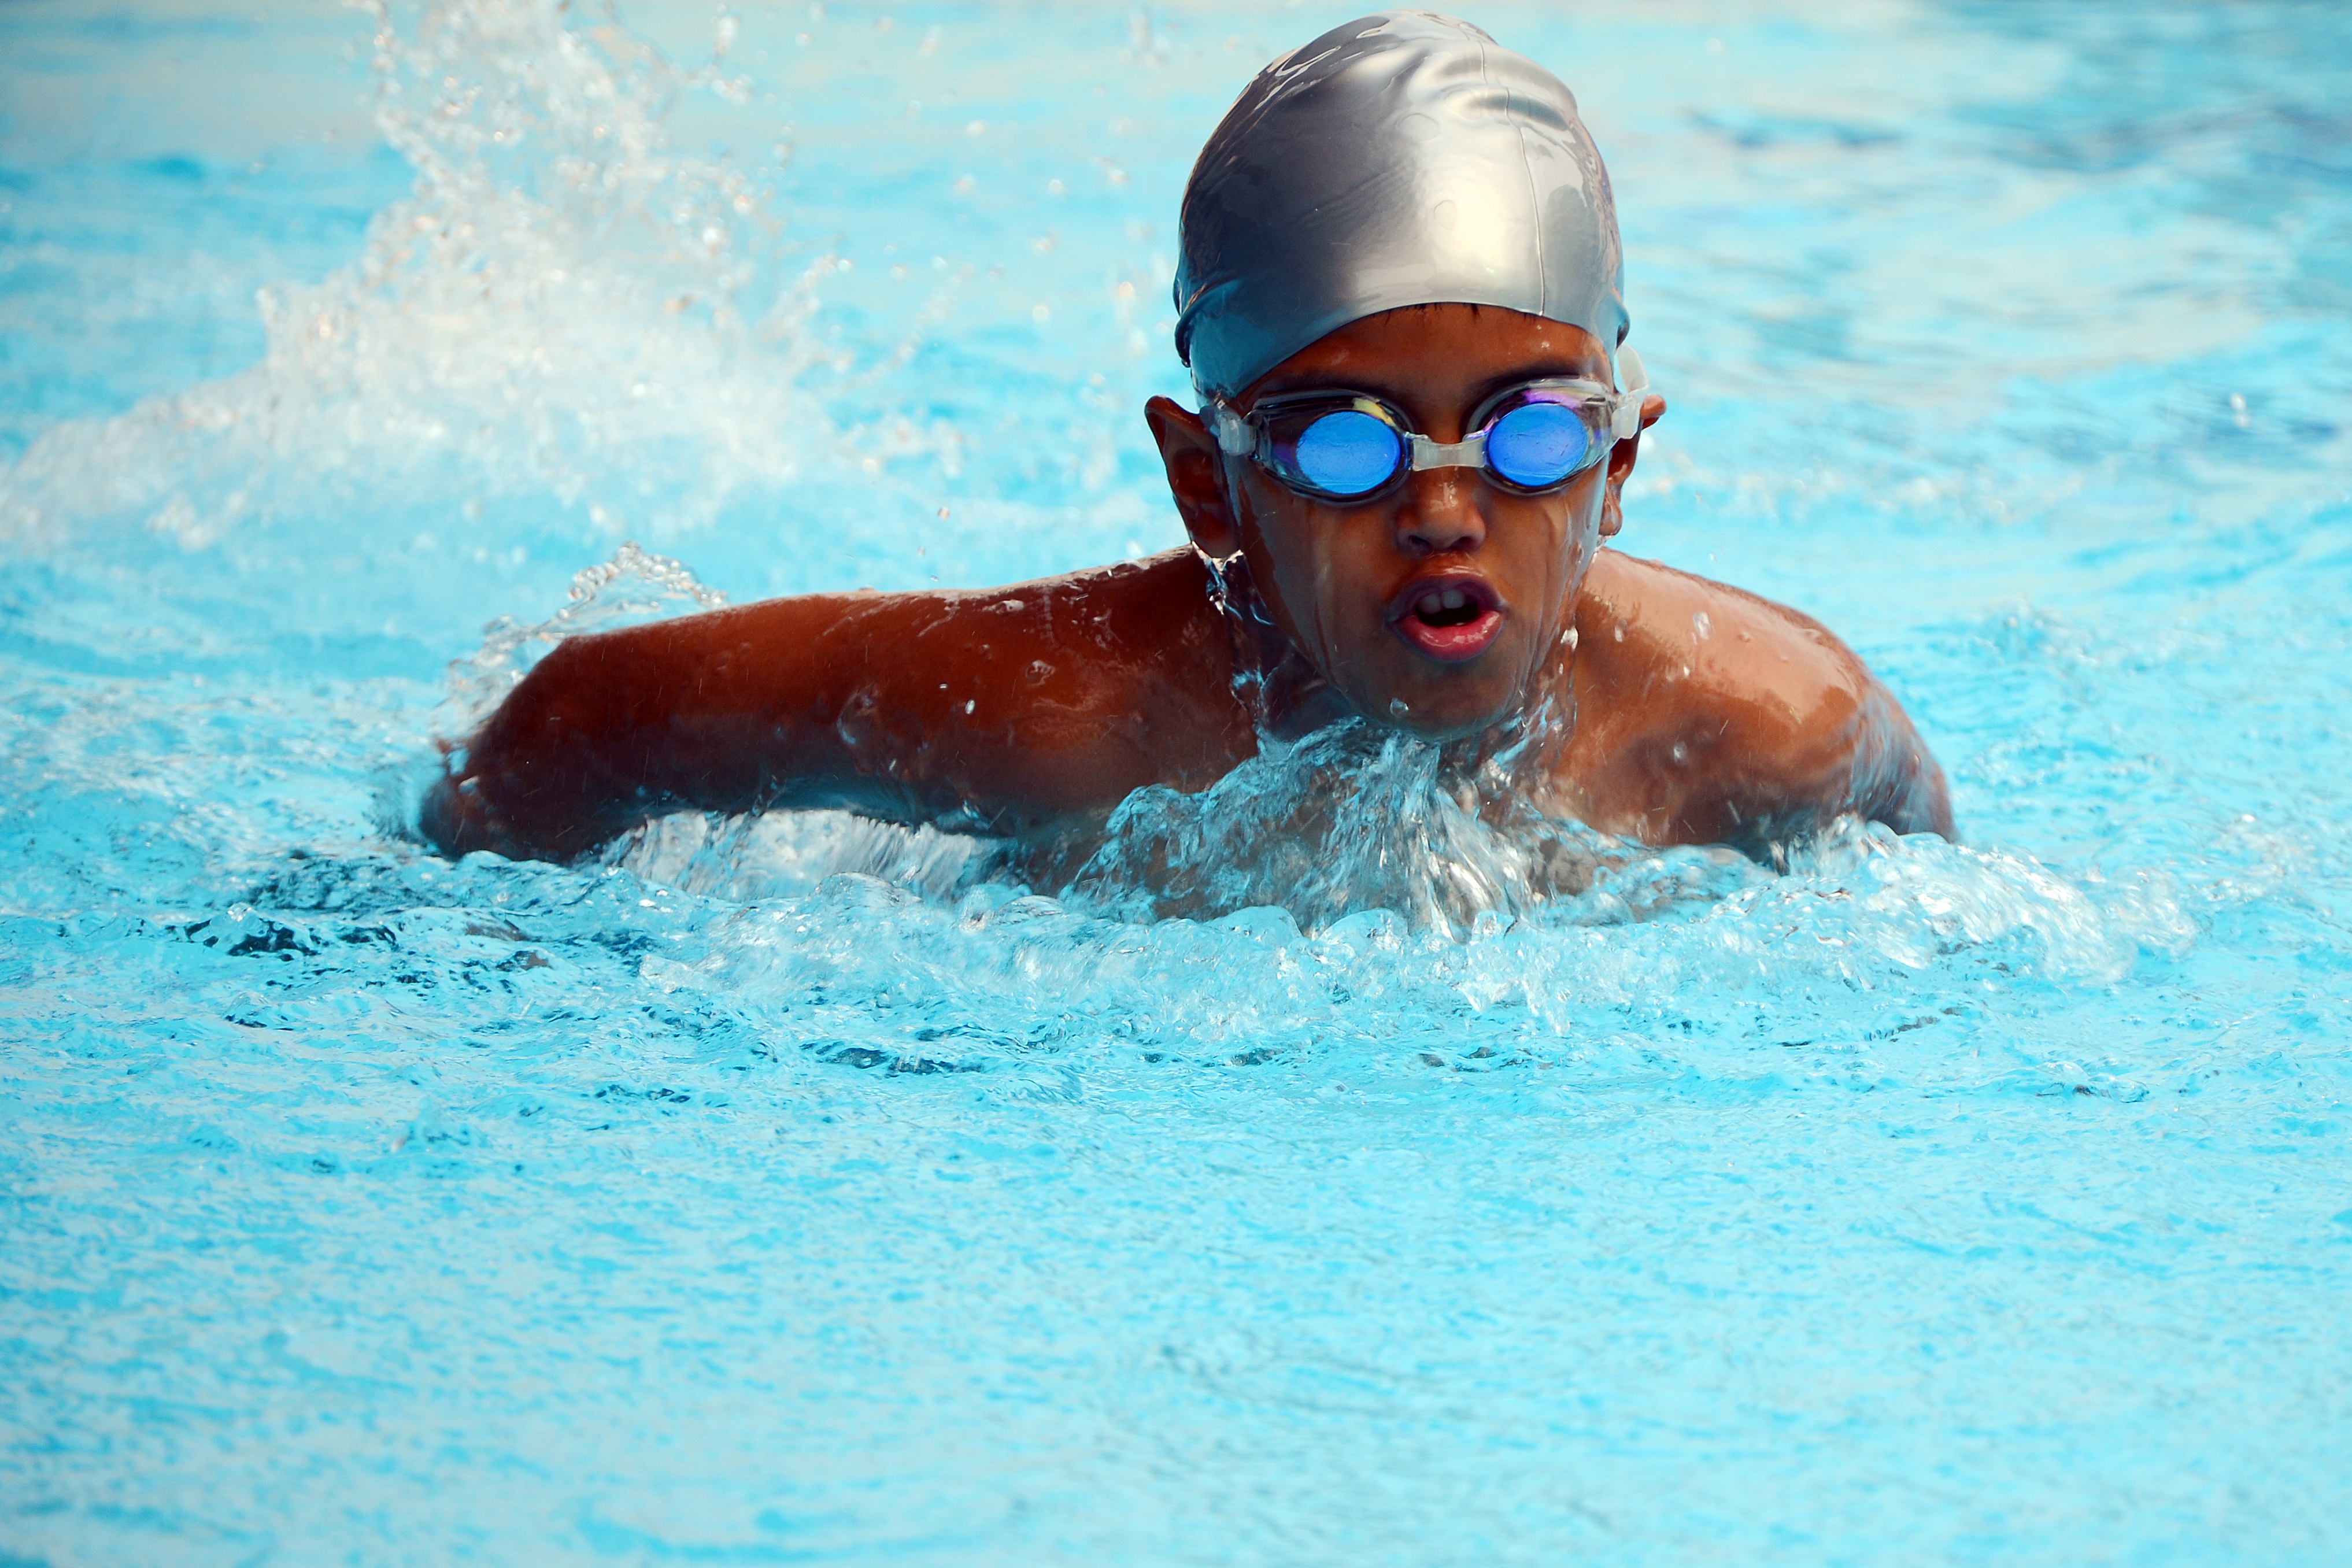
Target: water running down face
1441	605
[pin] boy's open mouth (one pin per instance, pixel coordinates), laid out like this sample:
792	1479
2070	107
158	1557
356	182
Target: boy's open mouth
1448	618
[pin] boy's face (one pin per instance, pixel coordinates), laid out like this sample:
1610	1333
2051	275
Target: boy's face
1439	605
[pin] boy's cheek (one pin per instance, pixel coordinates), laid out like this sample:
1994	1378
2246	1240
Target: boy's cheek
1296	576
1331	600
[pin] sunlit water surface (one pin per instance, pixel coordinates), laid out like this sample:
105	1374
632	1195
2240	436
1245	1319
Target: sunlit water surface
792	1191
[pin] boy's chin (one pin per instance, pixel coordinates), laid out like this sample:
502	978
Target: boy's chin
1398	690
1441	715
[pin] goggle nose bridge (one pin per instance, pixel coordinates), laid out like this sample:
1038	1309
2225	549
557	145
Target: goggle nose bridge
1429	454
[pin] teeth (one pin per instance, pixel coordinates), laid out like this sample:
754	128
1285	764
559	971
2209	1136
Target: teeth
1429	604
1455	598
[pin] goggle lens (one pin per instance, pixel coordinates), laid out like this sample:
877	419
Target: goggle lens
1537	445
1348	453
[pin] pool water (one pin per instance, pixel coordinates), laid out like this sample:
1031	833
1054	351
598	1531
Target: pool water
800	1190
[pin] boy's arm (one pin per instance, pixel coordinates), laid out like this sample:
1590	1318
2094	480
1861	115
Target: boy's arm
1707	715
1019	709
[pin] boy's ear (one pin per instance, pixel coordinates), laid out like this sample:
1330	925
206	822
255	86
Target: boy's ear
1621	464
1194	464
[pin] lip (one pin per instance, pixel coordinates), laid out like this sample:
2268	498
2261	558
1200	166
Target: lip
1447	644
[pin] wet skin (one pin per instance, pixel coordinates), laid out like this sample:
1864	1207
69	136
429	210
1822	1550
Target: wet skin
1702	714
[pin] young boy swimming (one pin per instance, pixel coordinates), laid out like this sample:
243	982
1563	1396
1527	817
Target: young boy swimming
1400	300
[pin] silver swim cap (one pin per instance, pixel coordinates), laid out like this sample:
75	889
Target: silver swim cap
1402	159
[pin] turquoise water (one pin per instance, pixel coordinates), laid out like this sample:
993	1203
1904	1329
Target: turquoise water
789	1192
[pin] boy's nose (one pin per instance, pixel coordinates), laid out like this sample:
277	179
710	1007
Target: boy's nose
1439	514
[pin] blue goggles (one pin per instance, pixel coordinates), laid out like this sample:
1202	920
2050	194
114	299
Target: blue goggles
1351	446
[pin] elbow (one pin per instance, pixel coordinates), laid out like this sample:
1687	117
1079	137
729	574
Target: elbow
1921	803
1896	780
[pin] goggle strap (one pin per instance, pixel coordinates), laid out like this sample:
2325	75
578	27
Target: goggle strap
1625	412
1234	436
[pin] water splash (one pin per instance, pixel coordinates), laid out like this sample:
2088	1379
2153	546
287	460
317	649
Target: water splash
632	587
593	294
565	308
1834	962
783	854
1347	818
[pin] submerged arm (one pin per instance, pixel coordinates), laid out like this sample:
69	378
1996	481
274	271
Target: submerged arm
1020	710
1707	715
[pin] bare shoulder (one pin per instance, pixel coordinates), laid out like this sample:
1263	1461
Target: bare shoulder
1145	612
1064	692
1706	713
1137	645
1064	643
1646	624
